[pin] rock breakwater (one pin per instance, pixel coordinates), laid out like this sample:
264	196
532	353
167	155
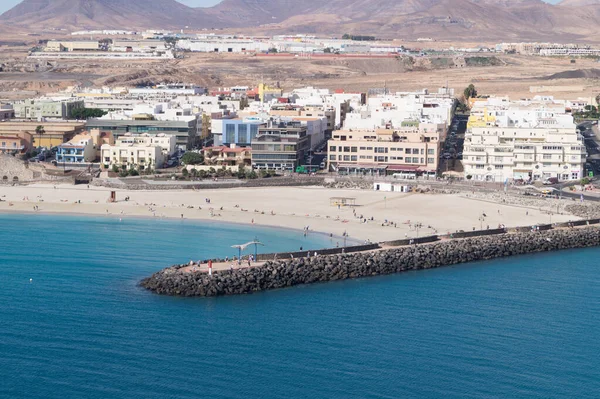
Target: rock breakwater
291	272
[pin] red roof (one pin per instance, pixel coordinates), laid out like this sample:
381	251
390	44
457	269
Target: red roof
226	149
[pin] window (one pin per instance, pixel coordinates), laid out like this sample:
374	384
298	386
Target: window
354	149
332	148
363	148
415	151
415	160
479	166
430	160
547	156
422	151
353	158
346	149
498	166
381	150
498	159
547	164
230	133
332	157
253	131
346	157
431	151
243	134
381	159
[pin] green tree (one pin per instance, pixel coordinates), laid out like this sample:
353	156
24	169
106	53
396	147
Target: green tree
133	172
470	91
39	130
272	50
115	168
251	174
87	113
192	158
185	172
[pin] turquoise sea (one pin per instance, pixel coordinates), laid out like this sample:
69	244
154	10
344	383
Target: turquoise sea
526	327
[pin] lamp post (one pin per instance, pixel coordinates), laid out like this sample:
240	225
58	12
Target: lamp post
417	227
481	219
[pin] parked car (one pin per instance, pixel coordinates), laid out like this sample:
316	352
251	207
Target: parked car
551	180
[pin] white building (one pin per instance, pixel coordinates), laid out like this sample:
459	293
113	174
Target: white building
132	155
522	141
165	142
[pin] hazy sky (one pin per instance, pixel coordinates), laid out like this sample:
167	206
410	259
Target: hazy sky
7	4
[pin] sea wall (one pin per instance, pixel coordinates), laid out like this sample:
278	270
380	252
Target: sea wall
290	272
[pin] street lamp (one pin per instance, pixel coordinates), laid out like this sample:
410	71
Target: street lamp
417	227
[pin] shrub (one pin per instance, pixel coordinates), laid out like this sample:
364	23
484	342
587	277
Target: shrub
251	175
192	158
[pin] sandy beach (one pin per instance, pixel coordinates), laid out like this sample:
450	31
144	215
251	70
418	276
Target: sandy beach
388	215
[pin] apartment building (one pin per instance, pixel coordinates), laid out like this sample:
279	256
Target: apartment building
128	153
164	141
53	134
47	108
411	151
80	149
15	143
280	145
185	129
392	110
235	131
6	112
522	141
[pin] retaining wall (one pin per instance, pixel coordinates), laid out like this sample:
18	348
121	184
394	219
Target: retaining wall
290	272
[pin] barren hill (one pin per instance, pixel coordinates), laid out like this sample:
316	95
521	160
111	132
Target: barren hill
440	19
105	14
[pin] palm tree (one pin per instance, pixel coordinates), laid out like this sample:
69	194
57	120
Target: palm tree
39	131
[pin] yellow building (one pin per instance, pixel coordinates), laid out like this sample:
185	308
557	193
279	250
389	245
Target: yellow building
266	92
52	135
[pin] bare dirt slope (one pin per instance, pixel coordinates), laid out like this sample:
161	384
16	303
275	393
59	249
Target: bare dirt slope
493	74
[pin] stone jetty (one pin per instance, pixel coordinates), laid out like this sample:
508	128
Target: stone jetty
291	272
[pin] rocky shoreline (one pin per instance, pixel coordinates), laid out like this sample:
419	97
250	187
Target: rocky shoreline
291	272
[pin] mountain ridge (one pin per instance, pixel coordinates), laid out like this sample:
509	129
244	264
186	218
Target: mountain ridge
439	19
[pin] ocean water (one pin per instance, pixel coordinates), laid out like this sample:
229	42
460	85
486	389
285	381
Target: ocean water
525	327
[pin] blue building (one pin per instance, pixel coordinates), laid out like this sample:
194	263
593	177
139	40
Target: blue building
80	149
235	131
